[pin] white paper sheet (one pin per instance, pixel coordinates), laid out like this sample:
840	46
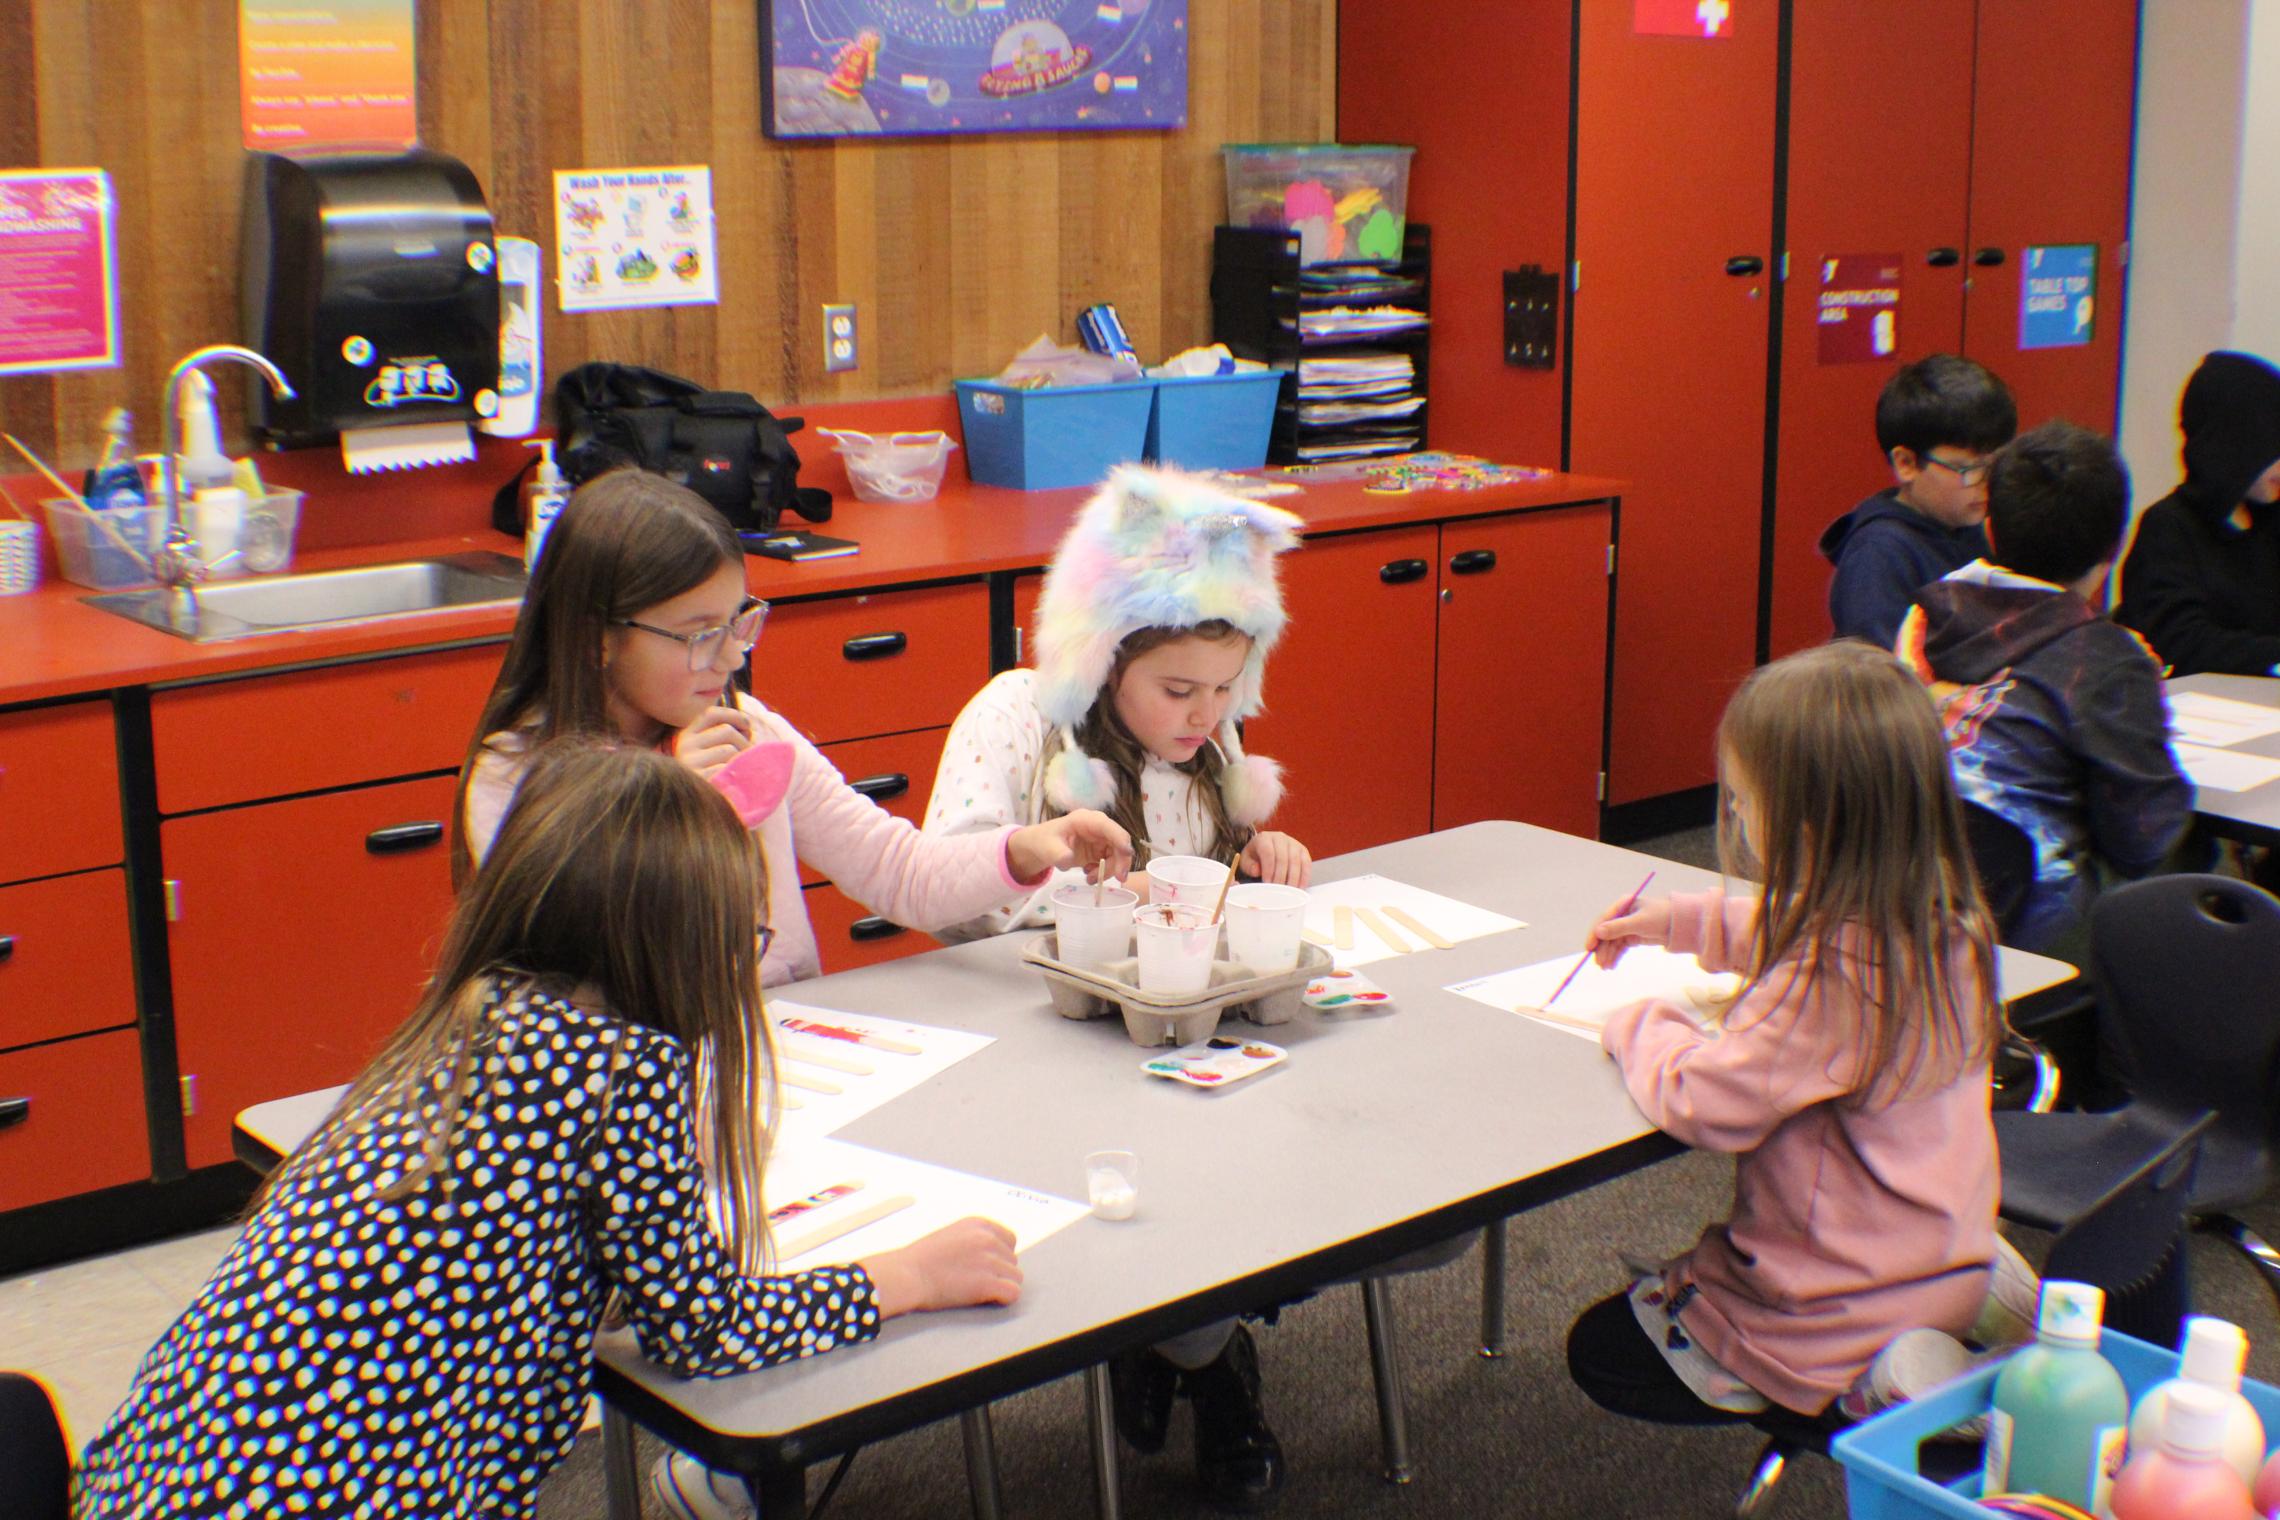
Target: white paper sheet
2199	718
1454	921
1644	971
865	1075
2225	770
939	1196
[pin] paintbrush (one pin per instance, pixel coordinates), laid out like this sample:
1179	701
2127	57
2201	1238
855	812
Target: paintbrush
1225	887
99	519
1628	904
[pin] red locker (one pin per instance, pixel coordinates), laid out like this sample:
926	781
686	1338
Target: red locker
1674	187
1879	163
2051	129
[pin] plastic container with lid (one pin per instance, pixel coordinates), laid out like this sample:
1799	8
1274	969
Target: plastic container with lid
2182	1474
2061	1412
2214	1355
1348	203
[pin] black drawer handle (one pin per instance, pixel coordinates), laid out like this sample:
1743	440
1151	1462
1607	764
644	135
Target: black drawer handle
1745	264
863	930
1400	572
875	646
14	1111
1473	562
7	947
399	837
1988	258
881	788
1943	258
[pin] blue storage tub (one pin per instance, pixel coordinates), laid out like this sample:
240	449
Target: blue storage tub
1214	422
1062	435
1879	1454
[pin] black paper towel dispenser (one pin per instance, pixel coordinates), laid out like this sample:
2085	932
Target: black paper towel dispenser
372	281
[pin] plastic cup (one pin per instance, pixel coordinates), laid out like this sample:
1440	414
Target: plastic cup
1177	943
1263	926
1185	879
1090	935
1112	1184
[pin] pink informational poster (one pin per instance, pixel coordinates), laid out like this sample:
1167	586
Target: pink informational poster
1682	18
59	296
1857	313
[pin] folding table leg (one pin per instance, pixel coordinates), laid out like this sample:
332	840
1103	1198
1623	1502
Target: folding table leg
780	1493
981	1462
1100	1418
1385	1369
1492	1289
621	1477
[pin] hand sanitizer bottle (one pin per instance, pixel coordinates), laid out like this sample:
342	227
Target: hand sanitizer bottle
2061	1412
543	500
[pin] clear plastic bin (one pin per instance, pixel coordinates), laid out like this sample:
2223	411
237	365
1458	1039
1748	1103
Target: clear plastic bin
895	466
1348	204
111	550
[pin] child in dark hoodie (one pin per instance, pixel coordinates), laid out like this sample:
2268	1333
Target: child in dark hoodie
1936	422
2202	583
2055	716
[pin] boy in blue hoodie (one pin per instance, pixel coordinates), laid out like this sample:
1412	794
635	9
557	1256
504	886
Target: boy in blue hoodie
2055	715
1937	421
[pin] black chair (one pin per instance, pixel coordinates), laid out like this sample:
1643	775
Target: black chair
35	1468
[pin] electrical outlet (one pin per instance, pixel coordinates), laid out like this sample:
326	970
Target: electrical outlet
840	349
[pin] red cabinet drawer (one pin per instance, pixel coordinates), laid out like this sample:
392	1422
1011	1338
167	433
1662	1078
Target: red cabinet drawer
850	667
59	790
896	772
273	736
297	946
84	1127
849	935
66	963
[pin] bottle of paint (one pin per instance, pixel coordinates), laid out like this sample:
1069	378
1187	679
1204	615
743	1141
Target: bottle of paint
2061	1412
2215	1352
2184	1475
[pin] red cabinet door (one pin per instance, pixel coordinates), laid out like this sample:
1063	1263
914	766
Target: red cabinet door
1673	179
848	935
59	790
896	772
83	1126
302	934
2050	165
1523	669
848	667
1860	129
1349	690
66	961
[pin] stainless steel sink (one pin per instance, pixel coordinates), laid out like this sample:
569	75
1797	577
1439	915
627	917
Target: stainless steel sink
240	609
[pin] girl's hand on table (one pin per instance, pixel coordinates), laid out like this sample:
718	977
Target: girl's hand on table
716	738
1277	858
970	1262
1647	923
1083	840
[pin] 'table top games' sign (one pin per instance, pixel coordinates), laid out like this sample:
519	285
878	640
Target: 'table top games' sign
2056	291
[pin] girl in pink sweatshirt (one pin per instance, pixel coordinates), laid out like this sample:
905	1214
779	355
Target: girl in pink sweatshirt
635	626
1851	1078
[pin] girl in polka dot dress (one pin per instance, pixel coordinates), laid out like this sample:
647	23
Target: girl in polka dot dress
574	1110
635	626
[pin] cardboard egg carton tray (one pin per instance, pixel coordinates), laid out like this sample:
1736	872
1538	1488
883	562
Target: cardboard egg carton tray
1154	1018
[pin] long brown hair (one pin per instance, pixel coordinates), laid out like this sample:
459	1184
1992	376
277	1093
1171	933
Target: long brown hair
1104	736
1867	870
625	542
620	874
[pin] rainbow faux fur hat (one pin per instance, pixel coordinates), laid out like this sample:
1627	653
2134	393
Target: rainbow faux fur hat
1158	549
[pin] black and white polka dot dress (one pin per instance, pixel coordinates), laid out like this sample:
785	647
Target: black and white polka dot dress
353	1356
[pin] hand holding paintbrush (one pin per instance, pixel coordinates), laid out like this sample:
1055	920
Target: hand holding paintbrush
1605	947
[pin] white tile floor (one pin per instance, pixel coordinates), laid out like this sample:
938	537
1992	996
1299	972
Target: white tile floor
83	1328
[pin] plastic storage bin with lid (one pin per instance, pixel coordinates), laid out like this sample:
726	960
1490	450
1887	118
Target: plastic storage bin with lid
1347	203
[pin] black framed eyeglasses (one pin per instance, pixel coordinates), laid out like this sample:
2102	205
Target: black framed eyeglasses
706	644
1969	474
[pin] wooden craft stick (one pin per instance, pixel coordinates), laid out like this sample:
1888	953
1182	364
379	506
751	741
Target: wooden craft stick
1409	921
1342	927
824	1234
1315	937
853	1036
1384	931
786	1213
811	1084
810	1054
786	1101
1568	1019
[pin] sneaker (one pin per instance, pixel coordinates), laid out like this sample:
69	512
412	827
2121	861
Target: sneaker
1915	1363
2013	1293
1141	1385
1238	1461
688	1490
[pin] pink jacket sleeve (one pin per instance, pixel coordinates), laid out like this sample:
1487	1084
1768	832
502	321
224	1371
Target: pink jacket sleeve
1713	928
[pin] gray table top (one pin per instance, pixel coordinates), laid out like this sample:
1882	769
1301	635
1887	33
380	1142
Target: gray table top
2253	815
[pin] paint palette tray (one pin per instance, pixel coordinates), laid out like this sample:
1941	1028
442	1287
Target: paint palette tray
1154	1018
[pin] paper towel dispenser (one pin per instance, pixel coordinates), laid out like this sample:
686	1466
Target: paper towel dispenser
372	281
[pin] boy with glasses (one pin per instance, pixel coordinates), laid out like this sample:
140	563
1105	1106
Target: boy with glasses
1937	422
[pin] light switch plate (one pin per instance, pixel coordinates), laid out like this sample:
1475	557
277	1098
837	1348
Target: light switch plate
841	349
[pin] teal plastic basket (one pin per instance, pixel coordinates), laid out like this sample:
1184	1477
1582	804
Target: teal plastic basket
1062	435
1883	1477
1214	422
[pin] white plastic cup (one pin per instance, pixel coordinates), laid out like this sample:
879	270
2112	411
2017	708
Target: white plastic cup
1177	942
1089	935
1263	926
1185	879
1112	1184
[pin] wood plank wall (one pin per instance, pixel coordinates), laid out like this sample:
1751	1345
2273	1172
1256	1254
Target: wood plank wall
957	252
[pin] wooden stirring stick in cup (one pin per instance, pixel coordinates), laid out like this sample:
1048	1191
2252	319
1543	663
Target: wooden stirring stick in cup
1220	906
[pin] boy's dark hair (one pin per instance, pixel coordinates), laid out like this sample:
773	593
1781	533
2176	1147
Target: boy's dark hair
1945	399
2058	499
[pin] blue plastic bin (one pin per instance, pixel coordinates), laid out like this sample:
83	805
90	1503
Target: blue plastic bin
1879	1454
1063	435
1214	422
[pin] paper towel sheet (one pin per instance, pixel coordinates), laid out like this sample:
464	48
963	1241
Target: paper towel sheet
406	447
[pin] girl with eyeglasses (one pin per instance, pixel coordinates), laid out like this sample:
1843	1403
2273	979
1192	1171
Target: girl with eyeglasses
633	628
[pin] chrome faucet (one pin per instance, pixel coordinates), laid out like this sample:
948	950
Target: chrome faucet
178	565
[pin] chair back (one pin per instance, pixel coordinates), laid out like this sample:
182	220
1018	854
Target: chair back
2131	1242
2188	976
2003	858
35	1467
